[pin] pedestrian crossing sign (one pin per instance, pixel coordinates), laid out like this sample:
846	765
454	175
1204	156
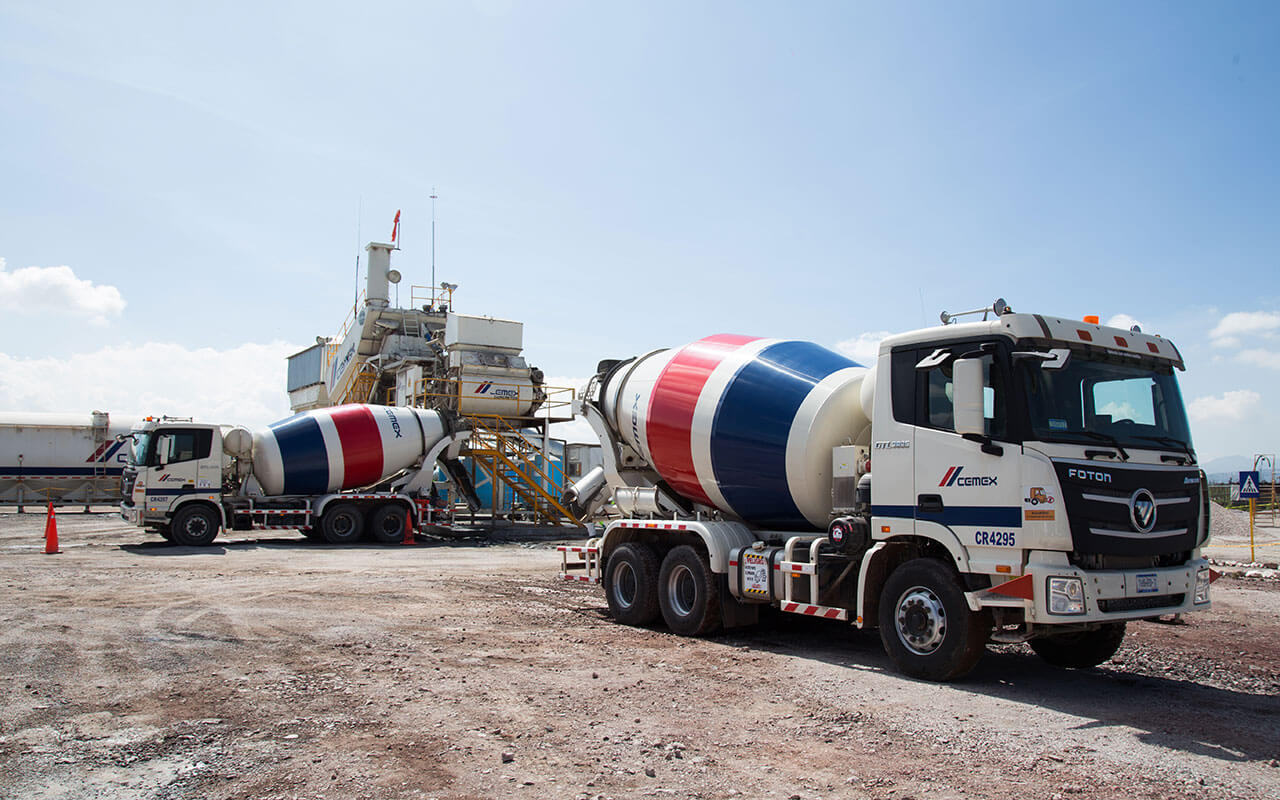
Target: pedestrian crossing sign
1248	485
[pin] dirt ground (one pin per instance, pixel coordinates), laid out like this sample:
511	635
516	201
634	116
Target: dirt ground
271	667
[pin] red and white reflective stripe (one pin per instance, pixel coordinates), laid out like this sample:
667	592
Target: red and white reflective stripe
656	526
568	549
266	511
583	578
825	612
273	527
796	567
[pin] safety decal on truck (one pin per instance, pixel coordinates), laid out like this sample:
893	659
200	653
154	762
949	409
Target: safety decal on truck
755	574
1038	503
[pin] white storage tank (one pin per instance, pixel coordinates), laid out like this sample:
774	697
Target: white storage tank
64	458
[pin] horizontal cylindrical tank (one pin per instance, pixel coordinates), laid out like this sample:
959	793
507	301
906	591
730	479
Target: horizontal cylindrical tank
742	424
62	457
345	447
503	396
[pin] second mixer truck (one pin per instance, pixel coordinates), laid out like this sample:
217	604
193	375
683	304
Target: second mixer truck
337	474
1034	481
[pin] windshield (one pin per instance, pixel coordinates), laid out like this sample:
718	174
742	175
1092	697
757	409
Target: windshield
1131	403
141	442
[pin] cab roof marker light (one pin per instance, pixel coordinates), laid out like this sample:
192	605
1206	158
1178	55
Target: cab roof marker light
1121	341
1085	335
1091	319
1152	347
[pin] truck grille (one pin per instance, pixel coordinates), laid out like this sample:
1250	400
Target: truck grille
1100	496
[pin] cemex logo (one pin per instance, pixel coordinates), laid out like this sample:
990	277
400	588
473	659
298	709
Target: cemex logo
484	387
953	478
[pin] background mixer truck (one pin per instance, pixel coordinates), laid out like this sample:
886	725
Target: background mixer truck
1033	481
335	473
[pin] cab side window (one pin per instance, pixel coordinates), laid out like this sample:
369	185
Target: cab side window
176	446
936	395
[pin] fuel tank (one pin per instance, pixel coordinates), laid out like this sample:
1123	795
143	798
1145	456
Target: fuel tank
741	423
344	447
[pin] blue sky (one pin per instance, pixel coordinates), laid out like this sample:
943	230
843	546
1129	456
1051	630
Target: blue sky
621	177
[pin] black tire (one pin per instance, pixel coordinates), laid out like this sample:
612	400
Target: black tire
166	532
342	523
926	625
631	584
194	526
1083	649
386	523
313	534
688	592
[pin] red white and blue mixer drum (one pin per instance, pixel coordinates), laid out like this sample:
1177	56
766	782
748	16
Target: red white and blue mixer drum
741	423
344	447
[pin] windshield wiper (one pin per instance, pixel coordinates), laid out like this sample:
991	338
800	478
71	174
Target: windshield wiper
1103	437
1175	444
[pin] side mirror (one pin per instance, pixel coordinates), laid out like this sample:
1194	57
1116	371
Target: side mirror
967	382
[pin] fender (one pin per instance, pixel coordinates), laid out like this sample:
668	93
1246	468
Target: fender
209	500
717	537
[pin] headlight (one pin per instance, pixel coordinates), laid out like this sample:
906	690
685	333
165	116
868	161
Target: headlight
1066	596
1202	585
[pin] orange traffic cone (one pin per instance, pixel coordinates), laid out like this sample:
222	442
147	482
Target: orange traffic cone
408	529
51	532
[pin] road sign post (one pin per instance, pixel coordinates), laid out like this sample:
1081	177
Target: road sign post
1249	489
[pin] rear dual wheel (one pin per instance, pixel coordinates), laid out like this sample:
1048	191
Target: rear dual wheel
387	523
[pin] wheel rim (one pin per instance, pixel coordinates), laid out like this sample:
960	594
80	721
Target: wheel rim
342	524
921	620
197	526
392	525
682	590
624	585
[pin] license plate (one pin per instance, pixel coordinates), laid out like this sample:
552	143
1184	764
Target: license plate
1148	583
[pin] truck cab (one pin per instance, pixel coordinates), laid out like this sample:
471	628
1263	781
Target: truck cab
174	477
1050	462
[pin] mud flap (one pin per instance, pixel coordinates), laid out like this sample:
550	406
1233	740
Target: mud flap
734	613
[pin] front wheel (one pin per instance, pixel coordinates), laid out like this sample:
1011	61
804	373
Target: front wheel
342	524
1081	650
688	593
194	526
926	626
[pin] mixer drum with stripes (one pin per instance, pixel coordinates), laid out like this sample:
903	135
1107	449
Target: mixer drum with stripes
742	424
344	447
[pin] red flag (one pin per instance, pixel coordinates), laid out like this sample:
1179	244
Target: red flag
395	226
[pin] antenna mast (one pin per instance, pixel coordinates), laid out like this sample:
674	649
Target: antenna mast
433	240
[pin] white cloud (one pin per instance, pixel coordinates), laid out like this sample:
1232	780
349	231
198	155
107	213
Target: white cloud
42	289
1247	324
1232	406
1260	358
244	385
864	348
1123	321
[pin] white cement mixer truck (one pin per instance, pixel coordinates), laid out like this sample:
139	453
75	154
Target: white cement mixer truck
336	474
1034	481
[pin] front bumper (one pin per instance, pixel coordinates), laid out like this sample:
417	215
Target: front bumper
1109	595
131	514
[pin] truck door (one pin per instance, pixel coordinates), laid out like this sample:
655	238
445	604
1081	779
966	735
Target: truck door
970	488
179	462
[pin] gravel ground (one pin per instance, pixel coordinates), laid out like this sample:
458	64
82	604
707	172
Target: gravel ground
274	668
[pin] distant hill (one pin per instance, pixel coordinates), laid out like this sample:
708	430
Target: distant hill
1227	468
